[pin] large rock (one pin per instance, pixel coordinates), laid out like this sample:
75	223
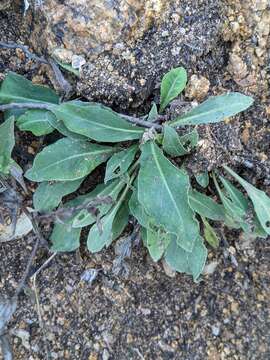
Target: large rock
127	44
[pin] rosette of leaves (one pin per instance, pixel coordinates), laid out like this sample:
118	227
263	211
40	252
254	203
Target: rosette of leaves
140	178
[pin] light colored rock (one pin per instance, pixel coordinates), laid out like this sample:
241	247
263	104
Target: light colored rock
197	88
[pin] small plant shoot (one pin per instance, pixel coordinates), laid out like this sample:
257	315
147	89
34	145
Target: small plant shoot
141	181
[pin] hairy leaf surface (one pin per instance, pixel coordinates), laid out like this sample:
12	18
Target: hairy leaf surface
215	109
163	192
96	122
67	160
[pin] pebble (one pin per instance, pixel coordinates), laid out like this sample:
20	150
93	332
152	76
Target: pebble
197	88
215	330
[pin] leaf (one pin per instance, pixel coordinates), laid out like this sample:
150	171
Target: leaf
62	129
96	122
210	234
163	192
67	160
68	68
235	195
120	220
36	121
171	142
7	142
153	114
49	195
138	211
188	262
173	83
260	200
119	163
15	88
190	140
65	238
156	242
84	218
215	109
202	179
205	206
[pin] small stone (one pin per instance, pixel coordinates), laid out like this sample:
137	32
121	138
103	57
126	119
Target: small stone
77	61
215	330
63	55
197	87
105	355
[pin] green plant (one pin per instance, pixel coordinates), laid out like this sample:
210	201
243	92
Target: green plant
140	180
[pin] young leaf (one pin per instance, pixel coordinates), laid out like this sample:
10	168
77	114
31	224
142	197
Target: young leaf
260	200
15	88
153	114
61	127
215	109
96	122
119	163
190	140
202	179
171	142
173	83
49	195
163	192
36	121
156	242
235	195
205	206
210	234
67	160
68	68
7	143
84	218
189	262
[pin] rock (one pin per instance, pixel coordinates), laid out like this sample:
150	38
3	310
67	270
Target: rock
23	227
197	88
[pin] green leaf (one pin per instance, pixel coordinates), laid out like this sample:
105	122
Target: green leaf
235	195
120	220
205	206
49	195
15	88
202	179
67	160
171	142
7	143
96	122
188	262
153	114
36	121
68	68
84	218
190	140
62	129
210	234
260	200
65	238
173	83
138	211
119	163
163	192
156	242
215	109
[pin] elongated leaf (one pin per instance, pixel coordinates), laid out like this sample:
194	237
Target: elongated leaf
68	68
173	83
171	142
15	88
236	196
202	179
120	220
65	238
190	140
67	160
153	114
205	206
260	200
7	143
49	195
36	121
210	234
62	129
215	109
156	242
163	192
84	218
96	122
188	262
119	163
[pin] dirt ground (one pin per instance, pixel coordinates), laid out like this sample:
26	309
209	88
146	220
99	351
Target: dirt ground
145	312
